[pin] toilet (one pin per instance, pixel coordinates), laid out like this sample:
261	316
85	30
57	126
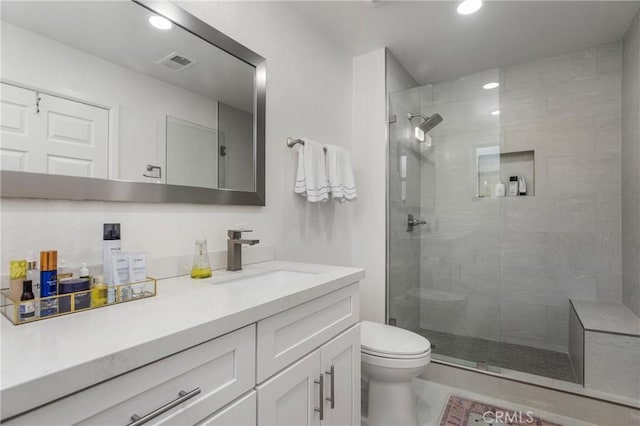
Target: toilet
391	358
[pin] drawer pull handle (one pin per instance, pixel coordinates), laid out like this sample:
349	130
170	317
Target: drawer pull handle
321	409
136	420
332	398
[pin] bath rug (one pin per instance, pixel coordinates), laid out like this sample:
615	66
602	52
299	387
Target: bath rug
466	412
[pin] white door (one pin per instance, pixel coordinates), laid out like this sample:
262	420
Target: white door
53	135
192	154
340	360
292	396
17	129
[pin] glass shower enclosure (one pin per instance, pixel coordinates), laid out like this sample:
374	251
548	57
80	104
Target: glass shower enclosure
454	198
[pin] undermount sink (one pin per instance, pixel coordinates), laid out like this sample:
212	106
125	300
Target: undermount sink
278	277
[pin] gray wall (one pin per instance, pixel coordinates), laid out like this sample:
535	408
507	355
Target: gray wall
631	167
507	267
404	247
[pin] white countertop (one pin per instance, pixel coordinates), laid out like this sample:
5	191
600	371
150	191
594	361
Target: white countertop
48	359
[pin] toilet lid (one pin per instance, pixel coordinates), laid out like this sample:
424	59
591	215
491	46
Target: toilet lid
388	340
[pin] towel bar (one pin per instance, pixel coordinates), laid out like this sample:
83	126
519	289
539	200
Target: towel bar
291	142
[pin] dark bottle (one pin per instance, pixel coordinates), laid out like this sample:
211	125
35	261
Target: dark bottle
27	308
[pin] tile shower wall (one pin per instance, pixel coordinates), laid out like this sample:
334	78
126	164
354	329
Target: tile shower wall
631	167
504	269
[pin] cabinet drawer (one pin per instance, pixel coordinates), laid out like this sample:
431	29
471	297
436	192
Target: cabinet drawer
289	335
222	369
242	412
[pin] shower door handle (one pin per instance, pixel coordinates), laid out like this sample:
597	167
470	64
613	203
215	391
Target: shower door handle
411	222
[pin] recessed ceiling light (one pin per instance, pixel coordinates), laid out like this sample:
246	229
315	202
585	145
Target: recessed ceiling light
468	7
160	22
491	85
496	112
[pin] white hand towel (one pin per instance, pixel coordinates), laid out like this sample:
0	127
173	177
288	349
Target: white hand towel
311	179
340	173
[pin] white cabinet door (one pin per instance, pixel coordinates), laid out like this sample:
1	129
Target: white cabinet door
341	366
47	134
292	396
239	413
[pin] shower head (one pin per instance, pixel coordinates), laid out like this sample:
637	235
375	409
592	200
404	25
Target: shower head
430	122
427	124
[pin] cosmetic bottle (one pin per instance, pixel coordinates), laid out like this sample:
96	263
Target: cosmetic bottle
63	271
513	186
48	282
84	271
499	190
98	291
522	186
27	305
17	274
110	246
33	275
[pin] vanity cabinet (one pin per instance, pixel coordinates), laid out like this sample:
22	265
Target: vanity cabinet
323	388
300	366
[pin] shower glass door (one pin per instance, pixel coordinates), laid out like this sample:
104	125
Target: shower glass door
444	275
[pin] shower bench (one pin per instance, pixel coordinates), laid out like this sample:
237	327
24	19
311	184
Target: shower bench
604	347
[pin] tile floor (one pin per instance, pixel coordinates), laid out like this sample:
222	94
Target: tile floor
541	362
433	396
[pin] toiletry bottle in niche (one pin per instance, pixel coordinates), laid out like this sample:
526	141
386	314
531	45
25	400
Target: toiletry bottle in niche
499	190
110	246
201	266
27	305
522	186
33	275
48	282
513	186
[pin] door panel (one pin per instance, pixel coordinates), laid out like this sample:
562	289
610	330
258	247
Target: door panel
47	134
18	108
343	354
290	398
77	137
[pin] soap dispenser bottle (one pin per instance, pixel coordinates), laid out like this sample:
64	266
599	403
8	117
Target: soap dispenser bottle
201	267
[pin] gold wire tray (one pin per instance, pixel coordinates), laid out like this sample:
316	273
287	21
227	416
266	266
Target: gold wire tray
80	301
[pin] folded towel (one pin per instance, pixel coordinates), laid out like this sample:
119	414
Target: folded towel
340	173
311	179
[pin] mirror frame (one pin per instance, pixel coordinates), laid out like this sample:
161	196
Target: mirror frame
39	185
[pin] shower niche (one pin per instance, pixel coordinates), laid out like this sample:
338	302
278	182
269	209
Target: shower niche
495	167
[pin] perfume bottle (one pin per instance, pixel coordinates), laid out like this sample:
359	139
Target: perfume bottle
201	267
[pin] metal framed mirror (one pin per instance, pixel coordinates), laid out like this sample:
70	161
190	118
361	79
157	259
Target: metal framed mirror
135	101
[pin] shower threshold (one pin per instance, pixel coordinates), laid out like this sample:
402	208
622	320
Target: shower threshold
509	356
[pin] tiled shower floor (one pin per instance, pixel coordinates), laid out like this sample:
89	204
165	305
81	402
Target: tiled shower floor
541	362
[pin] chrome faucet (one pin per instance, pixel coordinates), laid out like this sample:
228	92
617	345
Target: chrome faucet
234	249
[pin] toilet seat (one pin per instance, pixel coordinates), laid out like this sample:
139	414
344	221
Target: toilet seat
395	363
386	341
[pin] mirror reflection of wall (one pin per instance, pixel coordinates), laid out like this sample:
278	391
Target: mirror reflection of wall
103	81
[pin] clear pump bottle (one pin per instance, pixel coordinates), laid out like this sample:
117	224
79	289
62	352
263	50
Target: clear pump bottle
201	266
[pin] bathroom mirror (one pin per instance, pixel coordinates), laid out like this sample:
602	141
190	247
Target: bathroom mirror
128	101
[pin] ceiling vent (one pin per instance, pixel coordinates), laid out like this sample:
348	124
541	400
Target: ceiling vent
176	62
